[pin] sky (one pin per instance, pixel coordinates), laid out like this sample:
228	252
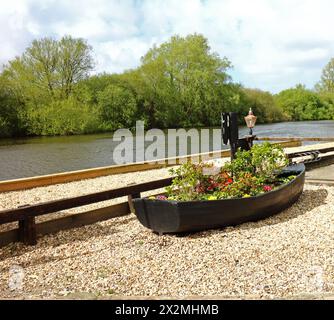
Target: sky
272	44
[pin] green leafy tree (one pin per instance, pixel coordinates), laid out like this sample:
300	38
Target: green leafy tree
326	83
10	109
44	77
264	106
182	82
64	117
117	107
327	101
76	62
300	103
49	69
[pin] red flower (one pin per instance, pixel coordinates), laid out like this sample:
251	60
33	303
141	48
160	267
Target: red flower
267	188
229	181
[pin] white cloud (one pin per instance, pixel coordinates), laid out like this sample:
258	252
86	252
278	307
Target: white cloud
115	56
272	44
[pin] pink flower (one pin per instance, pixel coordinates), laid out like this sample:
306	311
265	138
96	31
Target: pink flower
267	188
164	198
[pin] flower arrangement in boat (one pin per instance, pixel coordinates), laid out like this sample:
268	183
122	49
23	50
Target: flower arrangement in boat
251	173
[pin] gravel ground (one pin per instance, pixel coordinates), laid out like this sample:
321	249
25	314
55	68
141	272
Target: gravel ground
286	255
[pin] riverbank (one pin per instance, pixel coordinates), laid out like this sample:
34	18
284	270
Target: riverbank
286	255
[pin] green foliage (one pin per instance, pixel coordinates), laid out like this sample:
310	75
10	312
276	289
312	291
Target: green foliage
268	160
263	160
9	111
241	163
117	107
249	174
246	185
42	84
327	101
63	117
181	83
264	106
184	184
302	104
326	83
49	69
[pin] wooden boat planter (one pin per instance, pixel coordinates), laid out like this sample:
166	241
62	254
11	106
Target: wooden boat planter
188	216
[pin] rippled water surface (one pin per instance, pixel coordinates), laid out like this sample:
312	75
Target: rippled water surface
27	157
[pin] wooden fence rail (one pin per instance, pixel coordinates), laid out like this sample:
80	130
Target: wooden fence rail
26	215
69	221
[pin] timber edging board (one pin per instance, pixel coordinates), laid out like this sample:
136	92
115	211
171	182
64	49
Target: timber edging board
65	177
295	139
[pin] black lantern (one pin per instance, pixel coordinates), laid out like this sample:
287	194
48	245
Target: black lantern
250	121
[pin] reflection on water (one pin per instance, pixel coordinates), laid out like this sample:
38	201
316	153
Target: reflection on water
26	157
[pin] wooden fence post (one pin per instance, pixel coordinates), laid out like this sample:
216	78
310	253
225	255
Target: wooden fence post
130	198
27	231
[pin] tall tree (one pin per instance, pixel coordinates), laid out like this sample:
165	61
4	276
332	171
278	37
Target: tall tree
326	83
75	63
49	69
182	82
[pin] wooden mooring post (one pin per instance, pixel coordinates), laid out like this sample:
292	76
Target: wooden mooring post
27	231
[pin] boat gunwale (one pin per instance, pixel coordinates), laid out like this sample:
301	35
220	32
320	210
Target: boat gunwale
279	188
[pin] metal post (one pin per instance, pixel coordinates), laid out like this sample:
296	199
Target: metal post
230	134
230	131
234	133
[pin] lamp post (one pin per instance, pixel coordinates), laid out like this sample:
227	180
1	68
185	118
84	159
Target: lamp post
250	121
230	131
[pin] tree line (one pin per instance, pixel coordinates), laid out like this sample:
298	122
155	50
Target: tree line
48	90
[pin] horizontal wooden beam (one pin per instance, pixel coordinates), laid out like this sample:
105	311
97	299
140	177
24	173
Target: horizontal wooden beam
295	139
289	144
57	205
329	182
321	147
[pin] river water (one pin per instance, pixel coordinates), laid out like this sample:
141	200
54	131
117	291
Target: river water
26	157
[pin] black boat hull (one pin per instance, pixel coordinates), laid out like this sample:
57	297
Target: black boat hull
176	217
